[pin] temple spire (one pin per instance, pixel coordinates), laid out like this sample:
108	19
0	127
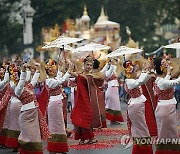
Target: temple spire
102	16
85	10
102	11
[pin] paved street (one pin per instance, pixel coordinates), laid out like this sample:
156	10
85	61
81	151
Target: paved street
109	140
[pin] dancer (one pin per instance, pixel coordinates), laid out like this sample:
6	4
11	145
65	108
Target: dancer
98	90
15	105
150	103
58	142
4	78
86	112
113	108
136	109
32	126
165	112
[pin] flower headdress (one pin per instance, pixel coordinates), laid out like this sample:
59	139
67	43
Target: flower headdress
128	68
164	64
13	70
2	73
89	59
50	65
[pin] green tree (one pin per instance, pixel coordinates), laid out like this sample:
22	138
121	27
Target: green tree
141	16
10	29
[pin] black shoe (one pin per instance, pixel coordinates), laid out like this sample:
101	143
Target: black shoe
2	147
14	150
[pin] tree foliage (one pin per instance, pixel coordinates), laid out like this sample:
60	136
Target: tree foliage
141	16
10	29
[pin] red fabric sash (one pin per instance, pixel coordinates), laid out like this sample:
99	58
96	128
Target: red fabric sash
81	115
150	106
43	101
2	117
45	133
94	100
3	105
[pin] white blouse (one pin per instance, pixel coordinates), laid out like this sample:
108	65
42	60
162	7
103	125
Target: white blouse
105	68
58	80
134	83
35	78
20	86
4	81
165	83
28	75
55	82
109	73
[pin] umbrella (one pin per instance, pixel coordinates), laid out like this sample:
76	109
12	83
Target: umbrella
66	47
91	47
154	52
123	50
175	63
173	46
61	41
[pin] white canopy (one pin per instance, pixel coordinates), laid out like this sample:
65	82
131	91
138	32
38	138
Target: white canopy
66	47
61	41
91	47
173	46
123	50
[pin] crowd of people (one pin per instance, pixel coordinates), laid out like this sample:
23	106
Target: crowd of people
32	110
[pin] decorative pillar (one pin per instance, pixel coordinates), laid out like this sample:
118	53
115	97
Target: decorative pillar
177	53
27	13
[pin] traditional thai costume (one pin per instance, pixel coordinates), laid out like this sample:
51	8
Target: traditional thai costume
14	112
150	106
81	114
88	111
4	122
32	125
58	142
136	115
112	100
73	87
166	118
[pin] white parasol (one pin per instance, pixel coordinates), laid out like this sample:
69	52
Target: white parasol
91	47
66	47
123	50
173	46
61	41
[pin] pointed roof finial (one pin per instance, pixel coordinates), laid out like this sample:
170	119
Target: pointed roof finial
85	16
102	11
102	16
85	10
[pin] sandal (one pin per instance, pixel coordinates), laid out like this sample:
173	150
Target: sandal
81	142
94	140
69	133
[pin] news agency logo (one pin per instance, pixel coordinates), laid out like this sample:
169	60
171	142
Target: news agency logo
126	141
